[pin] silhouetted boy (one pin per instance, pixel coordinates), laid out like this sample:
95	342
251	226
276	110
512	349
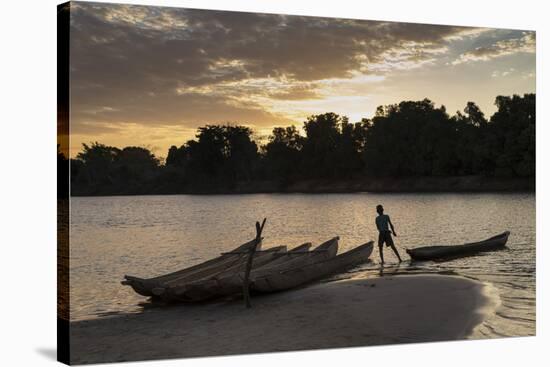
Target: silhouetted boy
384	236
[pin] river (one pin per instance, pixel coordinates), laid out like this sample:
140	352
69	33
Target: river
149	235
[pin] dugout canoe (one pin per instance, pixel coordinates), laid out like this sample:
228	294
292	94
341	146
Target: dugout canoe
230	267
449	252
325	250
229	284
261	258
300	275
143	286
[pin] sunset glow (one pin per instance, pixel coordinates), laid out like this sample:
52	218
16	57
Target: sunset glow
149	76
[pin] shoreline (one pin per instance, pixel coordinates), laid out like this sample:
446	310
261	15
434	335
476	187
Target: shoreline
338	314
458	184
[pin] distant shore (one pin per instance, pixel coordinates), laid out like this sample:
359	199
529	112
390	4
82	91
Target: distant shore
359	312
378	185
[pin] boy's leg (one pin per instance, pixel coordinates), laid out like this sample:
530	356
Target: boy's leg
396	253
389	241
381	246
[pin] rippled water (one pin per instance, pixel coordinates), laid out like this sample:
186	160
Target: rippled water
150	235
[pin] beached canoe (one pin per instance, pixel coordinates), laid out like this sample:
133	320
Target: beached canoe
260	258
446	252
226	284
226	266
300	275
143	286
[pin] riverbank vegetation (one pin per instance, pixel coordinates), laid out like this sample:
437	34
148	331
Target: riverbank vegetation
411	140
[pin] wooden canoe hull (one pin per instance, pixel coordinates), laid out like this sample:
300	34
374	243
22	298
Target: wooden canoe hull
227	267
170	291
326	250
448	252
260	258
144	286
283	257
291	278
229	284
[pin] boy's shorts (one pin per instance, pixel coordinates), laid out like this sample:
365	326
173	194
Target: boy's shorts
385	236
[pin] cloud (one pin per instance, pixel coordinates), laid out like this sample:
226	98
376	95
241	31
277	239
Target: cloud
524	44
134	67
497	73
296	93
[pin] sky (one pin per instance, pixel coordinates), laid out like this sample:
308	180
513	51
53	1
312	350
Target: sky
149	76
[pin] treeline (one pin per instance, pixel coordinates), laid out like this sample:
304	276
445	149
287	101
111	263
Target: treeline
409	139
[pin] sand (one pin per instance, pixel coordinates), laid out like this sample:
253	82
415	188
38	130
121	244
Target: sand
360	312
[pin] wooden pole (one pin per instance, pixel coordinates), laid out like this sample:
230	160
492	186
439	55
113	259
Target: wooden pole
257	240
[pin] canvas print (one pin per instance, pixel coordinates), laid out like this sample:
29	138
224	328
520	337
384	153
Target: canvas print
233	183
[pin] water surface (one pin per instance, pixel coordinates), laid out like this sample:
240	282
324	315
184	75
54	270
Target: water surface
151	235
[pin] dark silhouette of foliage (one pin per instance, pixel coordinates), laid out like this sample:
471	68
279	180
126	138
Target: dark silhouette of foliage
351	143
512	136
176	157
106	169
472	152
220	154
282	154
332	146
320	145
134	164
98	161
412	138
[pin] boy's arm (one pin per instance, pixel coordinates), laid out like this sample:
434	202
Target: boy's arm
391	226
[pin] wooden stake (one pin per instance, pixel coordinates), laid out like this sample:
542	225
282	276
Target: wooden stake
257	240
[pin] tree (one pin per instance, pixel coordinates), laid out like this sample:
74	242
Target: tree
411	138
241	153
471	151
174	157
98	160
474	116
282	158
512	135
222	152
135	164
349	161
322	137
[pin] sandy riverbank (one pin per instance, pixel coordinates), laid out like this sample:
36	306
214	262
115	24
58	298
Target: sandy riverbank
387	310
